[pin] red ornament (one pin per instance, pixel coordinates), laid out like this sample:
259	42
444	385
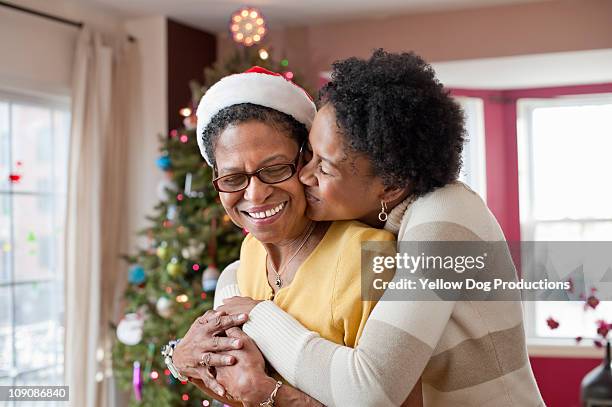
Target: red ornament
14	178
552	324
173	133
195	267
184	138
166	372
180	197
185	397
203	296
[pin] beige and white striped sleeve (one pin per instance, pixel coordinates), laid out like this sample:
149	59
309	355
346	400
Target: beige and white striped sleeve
227	285
396	344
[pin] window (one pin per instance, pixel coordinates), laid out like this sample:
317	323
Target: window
473	172
34	135
564	170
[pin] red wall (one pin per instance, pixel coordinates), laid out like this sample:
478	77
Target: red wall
558	378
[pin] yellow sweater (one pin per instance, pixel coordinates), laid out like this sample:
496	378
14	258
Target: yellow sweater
325	294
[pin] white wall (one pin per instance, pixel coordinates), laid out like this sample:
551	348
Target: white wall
143	174
37	53
37	56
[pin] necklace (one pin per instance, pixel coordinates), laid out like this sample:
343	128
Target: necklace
278	282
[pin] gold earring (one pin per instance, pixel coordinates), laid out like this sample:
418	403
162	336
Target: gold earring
382	216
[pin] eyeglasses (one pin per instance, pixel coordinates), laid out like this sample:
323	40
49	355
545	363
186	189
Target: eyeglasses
272	174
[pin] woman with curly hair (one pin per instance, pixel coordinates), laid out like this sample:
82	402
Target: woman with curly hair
386	149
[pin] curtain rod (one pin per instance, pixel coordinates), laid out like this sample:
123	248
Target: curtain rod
62	20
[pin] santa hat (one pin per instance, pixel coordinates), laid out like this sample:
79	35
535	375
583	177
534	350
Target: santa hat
257	86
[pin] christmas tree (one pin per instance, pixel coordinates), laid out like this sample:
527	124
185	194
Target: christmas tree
172	280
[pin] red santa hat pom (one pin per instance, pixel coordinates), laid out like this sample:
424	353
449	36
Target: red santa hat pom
259	87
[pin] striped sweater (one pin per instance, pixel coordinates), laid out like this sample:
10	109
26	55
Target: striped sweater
468	353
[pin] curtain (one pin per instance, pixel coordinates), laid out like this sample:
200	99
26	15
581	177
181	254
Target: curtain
103	95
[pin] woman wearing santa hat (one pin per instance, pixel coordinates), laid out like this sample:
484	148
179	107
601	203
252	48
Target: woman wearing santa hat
252	130
386	149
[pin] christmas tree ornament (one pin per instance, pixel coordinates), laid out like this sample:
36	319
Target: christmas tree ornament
171	212
190	122
247	26
162	251
193	250
210	278
164	307
174	268
129	329
136	274
165	189
14	178
137	381
163	162
184	138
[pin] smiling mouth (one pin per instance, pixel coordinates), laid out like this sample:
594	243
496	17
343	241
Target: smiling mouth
266	214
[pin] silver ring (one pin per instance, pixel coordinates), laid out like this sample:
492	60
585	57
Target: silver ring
203	362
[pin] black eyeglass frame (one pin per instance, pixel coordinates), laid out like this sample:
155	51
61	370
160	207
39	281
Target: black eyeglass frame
256	173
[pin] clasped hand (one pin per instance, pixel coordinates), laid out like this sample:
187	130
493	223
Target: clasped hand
218	353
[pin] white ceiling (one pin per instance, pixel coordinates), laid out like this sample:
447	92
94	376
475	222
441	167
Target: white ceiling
213	15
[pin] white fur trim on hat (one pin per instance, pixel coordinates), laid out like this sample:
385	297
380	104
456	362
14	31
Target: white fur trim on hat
261	89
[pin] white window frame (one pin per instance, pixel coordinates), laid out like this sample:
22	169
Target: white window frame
474	169
545	346
53	102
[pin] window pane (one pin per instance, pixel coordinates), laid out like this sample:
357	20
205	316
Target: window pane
32	147
5	238
6	342
34	251
44	377
38	331
576	231
473	171
61	136
573	319
4	146
571	161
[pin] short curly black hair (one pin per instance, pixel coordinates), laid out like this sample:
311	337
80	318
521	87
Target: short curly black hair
245	112
392	108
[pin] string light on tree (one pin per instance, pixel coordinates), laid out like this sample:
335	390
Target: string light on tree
185	112
263	54
247	26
